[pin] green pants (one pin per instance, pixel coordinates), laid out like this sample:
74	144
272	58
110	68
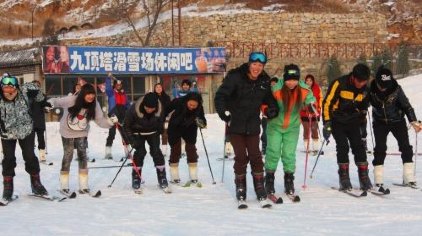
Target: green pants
281	143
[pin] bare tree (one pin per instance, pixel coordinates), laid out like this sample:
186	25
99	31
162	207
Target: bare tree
151	9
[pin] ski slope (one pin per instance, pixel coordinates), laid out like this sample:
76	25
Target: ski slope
212	209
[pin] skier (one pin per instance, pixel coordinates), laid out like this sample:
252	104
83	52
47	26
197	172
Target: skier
144	123
283	130
315	117
38	110
188	115
78	111
16	125
389	106
186	87
237	102
165	102
118	103
343	108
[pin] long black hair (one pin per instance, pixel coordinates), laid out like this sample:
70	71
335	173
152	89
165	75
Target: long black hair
80	103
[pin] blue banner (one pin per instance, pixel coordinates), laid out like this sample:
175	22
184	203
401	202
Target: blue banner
120	60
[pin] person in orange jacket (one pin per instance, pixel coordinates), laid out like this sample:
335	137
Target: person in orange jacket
310	119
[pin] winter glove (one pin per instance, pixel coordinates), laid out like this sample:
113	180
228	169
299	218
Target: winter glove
326	131
416	126
114	119
48	107
271	113
226	117
200	123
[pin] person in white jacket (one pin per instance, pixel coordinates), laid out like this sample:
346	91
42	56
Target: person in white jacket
78	110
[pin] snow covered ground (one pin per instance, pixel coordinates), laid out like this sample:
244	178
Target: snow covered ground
212	210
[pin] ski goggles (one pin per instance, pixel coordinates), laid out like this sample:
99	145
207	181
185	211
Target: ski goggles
9	81
258	57
293	73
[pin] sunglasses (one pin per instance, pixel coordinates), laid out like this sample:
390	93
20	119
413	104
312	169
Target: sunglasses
10	81
258	57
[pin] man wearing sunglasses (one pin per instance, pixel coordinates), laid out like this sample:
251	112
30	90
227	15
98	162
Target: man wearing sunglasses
16	125
238	101
344	107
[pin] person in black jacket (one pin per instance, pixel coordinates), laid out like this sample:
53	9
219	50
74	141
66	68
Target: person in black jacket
389	106
143	123
165	102
38	110
238	101
344	107
187	116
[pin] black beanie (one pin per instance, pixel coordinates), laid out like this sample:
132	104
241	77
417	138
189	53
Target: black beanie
291	72
361	72
384	77
150	100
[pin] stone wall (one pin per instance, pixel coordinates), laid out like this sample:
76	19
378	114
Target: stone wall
265	28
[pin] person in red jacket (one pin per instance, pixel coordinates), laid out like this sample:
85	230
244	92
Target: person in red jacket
310	119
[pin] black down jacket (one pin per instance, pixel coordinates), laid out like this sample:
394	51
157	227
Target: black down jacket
390	106
243	98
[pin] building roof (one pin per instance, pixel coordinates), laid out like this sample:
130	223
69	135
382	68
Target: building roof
16	58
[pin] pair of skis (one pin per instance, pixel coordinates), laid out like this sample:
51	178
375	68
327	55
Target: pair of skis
140	190
264	203
72	195
381	191
279	200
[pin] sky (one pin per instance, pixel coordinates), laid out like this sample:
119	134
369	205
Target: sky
212	209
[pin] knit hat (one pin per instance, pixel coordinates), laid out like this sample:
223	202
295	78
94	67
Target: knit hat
361	72
384	77
291	72
150	100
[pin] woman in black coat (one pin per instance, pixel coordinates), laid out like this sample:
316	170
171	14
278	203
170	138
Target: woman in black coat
187	116
389	106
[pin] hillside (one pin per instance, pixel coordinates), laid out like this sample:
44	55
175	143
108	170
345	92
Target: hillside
35	18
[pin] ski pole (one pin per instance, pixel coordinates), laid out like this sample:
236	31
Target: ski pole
307	150
128	155
206	153
416	150
45	140
106	167
224	153
372	135
120	169
319	154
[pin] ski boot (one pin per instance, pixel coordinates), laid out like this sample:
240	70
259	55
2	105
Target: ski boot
379	175
289	187
83	181
174	173
108	155
161	177
258	183
240	181
364	180
409	174
344	179
36	186
136	179
7	187
269	182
